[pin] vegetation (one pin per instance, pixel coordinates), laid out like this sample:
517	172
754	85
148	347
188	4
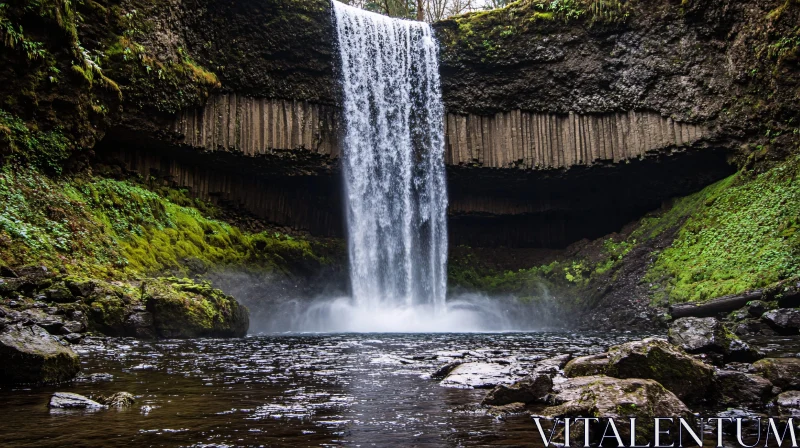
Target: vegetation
117	229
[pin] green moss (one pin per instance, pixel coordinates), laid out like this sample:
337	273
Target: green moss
741	235
47	150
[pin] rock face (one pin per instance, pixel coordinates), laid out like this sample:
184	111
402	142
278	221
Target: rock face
708	335
783	320
741	389
621	399
30	355
67	400
782	372
650	358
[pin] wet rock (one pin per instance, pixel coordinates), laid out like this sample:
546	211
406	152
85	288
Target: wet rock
656	359
789	400
67	400
118	400
620	399
73	327
73	338
785	321
10	285
94	377
530	389
140	325
742	389
6	271
446	369
782	372
756	308
587	365
480	375
708	335
753	327
28	354
552	366
507	409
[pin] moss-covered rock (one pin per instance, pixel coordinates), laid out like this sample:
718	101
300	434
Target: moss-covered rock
617	399
782	372
30	355
184	309
708	335
587	365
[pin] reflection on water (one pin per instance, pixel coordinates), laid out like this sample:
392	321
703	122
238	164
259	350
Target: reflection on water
287	390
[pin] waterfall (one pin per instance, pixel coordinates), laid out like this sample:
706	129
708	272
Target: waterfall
393	161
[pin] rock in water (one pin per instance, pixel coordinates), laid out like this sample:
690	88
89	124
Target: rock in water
67	400
784	321
708	335
620	399
651	358
782	372
118	400
740	388
529	390
789	400
480	375
30	355
587	365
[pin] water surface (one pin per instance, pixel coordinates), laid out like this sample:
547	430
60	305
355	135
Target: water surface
288	391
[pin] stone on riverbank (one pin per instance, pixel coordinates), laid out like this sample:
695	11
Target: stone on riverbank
782	372
741	389
784	321
530	389
620	399
653	359
708	335
30	355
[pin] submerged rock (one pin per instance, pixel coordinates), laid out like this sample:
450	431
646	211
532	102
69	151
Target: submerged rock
785	321
68	400
530	389
782	372
30	355
620	399
118	400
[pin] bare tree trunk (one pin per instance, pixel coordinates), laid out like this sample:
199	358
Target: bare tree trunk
420	11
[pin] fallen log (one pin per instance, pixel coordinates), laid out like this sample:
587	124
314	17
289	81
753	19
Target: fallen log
787	297
713	307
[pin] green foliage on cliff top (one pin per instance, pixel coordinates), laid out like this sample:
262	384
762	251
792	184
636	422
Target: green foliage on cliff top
742	234
110	229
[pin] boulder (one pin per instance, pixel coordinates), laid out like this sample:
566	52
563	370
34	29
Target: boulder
708	335
140	325
531	389
782	372
756	308
118	400
445	370
587	365
620	399
784	321
741	389
656	359
30	355
480	375
653	359
789	400
59	294
67	400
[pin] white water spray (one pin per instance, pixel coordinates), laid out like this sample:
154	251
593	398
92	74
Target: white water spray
393	161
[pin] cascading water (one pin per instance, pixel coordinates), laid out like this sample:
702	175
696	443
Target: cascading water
393	160
396	195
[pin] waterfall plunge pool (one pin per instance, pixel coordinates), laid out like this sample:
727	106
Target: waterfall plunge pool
293	390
